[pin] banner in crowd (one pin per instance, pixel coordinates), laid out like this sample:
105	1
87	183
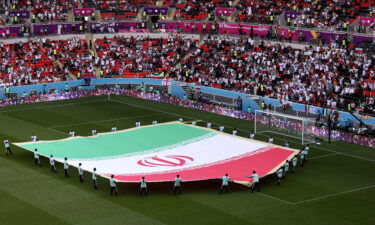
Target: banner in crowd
366	21
186	27
326	37
360	39
225	28
6	32
21	14
283	32
224	11
307	34
63	28
258	30
156	11
83	11
292	14
112	27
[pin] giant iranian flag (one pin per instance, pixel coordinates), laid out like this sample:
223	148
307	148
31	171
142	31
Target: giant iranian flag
160	152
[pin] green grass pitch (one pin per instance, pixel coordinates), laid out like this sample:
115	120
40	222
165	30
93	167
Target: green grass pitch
336	186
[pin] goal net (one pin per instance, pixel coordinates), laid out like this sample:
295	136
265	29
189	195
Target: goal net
286	125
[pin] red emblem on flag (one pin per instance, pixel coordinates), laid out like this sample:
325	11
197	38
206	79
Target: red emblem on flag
168	160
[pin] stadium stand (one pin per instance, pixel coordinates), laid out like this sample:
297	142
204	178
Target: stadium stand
339	74
28	63
138	56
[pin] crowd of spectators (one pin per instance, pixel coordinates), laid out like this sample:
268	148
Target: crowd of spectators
334	77
199	9
121	56
28	62
76	56
325	15
260	11
333	15
122	9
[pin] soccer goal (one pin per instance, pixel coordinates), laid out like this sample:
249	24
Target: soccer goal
292	126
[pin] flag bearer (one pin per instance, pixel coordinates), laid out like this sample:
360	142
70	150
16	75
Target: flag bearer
94	179
294	163
225	184
286	168
177	185
80	172
279	174
143	187
113	185
255	178
7	147
66	167
37	158
52	163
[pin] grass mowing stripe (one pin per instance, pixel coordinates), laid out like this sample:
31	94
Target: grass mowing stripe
50	106
72	203
110	120
160	206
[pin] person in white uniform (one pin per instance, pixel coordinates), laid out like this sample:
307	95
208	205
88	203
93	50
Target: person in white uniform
94	179
224	184
255	184
8	151
113	185
80	173
37	158
66	167
177	185
143	187
52	163
279	174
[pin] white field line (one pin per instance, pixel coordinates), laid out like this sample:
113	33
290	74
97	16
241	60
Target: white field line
312	199
109	120
337	194
57	131
278	199
322	156
324	149
50	106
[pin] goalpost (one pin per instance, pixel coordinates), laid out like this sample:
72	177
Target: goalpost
292	126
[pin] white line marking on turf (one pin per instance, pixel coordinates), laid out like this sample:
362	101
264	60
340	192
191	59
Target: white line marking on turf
312	199
278	199
265	195
157	110
50	106
102	121
322	156
333	195
58	131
